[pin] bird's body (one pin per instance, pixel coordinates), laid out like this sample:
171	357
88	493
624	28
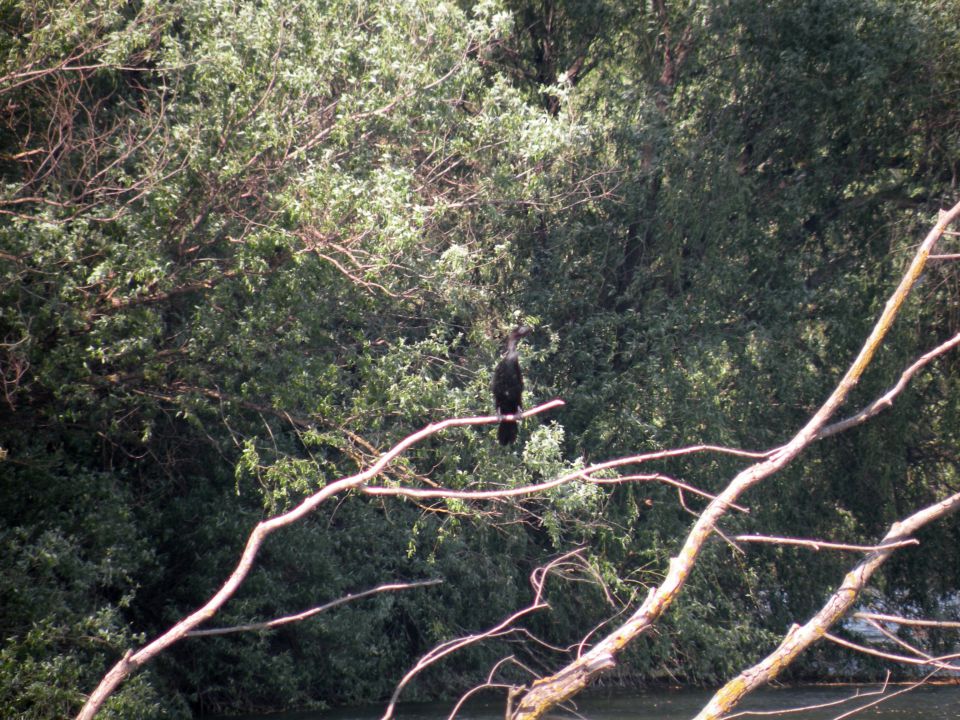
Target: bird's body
508	386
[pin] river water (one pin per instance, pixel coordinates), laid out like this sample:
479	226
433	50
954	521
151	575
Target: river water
820	703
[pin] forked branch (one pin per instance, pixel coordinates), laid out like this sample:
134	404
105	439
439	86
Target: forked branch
550	691
799	638
133	660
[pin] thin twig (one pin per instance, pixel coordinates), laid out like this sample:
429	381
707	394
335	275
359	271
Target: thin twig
350	597
441	651
537	579
823	545
936	662
808	708
908	646
886	400
906	621
886	698
667	480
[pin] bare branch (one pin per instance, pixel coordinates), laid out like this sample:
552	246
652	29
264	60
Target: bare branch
885	698
823	545
483	686
679	484
938	662
906	621
133	660
886	400
537	579
799	638
909	647
807	708
441	651
882	696
350	597
584	474
548	692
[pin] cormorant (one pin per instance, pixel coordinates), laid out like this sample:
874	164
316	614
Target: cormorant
508	385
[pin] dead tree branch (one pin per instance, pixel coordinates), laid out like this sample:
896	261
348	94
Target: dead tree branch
886	400
799	638
433	493
550	691
857	695
822	544
880	694
133	660
940	663
880	617
909	647
537	579
277	622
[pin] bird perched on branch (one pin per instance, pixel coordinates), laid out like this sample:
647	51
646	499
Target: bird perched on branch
508	385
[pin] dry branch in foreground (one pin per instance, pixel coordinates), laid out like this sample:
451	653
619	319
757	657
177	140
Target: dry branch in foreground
133	660
799	638
544	694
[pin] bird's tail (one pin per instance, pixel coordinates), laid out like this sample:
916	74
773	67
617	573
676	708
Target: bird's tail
507	432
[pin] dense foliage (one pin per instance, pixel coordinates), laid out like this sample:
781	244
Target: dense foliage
244	247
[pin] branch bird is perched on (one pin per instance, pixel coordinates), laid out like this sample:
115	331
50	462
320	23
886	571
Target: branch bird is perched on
508	385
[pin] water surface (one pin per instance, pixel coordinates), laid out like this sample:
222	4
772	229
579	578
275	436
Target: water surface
924	703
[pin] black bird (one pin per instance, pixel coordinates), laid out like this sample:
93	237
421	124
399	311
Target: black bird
508	385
